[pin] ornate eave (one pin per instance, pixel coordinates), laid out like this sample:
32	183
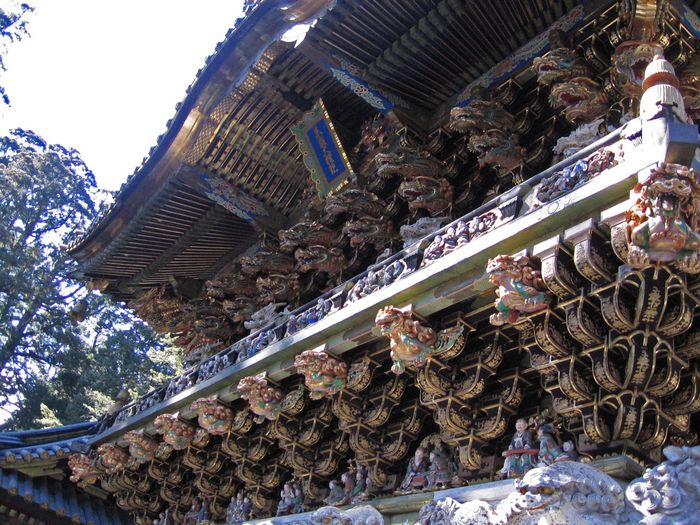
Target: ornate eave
593	325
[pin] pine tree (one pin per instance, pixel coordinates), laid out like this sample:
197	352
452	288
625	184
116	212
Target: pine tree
47	196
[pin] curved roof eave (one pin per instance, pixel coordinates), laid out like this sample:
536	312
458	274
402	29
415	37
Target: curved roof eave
224	69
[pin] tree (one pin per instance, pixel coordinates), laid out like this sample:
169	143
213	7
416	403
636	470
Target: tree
13	27
48	195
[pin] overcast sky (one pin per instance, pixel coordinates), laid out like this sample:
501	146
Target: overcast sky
104	77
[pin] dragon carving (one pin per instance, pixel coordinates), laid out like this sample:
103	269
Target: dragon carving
428	193
629	62
239	309
520	288
323	375
407	163
411	342
663	224
354	202
267	261
690	87
265	401
278	287
308	234
229	285
479	116
582	99
369	230
499	149
559	65
320	259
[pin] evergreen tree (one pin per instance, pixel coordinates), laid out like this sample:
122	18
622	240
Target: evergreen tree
47	196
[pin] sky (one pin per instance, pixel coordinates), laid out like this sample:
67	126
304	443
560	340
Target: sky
104	77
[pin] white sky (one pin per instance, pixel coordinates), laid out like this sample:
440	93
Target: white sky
104	77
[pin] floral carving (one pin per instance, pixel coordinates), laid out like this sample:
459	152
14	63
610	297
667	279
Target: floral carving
212	416
520	288
265	401
411	342
663	224
323	375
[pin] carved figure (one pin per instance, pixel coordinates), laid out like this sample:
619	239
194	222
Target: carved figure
323	375
669	493
412	233
308	233
521	451
377	279
582	99
336	494
267	261
629	62
363	515
354	201
428	193
497	148
239	309
571	177
269	315
480	115
278	287
550	451
559	65
442	471
417	475
212	416
690	87
407	163
112	457
229	285
565	492
320	259
308	317
265	401
83	470
412	342
142	447
663	225
520	288
369	231
290	500
585	134
175	432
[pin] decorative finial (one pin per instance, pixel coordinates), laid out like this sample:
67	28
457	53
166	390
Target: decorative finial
661	89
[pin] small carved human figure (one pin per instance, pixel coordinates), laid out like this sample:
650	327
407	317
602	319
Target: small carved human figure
521	453
286	503
416	477
550	451
348	485
203	515
441	470
336	495
246	508
191	516
233	511
360	491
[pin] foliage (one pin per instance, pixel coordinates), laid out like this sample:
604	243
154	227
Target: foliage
13	27
47	195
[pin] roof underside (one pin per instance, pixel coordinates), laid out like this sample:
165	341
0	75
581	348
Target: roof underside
421	53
